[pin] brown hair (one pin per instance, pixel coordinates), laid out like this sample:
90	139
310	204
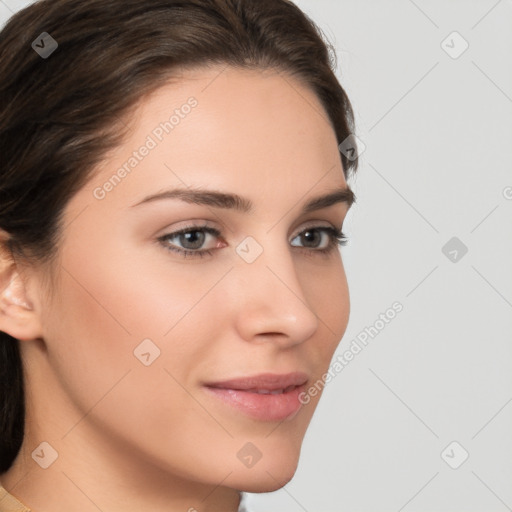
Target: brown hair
60	115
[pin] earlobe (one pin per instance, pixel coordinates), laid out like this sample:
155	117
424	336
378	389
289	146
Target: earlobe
18	317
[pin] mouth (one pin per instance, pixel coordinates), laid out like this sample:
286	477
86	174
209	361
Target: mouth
264	397
269	391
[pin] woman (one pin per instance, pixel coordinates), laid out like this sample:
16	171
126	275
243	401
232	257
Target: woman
172	197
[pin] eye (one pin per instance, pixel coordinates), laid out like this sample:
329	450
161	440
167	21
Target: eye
321	239
190	241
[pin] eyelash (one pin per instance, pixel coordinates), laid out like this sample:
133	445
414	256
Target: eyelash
336	239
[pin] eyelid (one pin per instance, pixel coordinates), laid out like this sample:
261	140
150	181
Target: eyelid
188	224
215	232
310	224
198	224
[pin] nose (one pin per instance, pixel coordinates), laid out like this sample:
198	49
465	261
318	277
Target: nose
269	300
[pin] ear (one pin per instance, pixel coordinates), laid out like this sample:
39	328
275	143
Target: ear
18	317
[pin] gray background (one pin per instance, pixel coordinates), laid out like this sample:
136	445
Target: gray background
437	165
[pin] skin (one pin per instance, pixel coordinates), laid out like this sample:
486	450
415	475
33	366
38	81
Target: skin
132	437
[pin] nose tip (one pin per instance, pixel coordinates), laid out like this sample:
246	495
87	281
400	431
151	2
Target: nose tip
274	306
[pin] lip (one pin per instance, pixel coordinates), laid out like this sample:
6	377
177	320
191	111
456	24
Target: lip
270	381
244	394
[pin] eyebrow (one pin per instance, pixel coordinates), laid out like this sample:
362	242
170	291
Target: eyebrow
226	200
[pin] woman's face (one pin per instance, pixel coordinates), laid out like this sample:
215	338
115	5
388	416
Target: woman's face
136	328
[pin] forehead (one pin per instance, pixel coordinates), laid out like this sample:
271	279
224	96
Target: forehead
259	131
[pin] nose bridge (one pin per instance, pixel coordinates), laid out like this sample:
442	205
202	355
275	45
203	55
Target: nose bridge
272	300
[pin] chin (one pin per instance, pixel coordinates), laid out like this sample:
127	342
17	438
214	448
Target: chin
266	478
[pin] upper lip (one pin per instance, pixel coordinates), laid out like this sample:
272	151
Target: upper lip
263	381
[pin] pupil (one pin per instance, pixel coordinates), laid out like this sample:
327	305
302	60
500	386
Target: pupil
194	239
311	236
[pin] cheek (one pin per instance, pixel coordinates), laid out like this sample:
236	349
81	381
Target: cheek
102	315
140	293
326	289
115	311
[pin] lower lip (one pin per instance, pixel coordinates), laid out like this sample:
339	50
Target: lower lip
261	407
